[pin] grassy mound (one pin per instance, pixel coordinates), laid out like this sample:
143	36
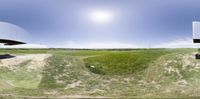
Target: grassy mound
119	63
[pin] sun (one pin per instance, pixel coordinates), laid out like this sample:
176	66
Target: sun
101	16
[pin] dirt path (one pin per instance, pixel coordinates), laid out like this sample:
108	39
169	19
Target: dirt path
36	60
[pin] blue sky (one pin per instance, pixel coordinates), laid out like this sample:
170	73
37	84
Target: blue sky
134	23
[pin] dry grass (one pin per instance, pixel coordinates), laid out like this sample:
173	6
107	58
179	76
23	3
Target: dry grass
171	75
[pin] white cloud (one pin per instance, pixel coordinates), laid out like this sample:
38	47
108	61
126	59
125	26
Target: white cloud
26	46
179	43
97	45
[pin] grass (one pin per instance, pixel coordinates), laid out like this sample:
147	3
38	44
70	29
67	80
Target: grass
20	77
135	73
54	67
59	71
120	63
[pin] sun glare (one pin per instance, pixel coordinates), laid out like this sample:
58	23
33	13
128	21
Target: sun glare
101	16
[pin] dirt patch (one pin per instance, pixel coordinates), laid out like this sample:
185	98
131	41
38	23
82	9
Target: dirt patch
73	85
36	61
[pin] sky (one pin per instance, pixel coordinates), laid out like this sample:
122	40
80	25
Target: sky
100	23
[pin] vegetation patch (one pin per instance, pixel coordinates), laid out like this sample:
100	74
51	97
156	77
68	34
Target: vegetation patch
133	73
120	63
20	77
60	71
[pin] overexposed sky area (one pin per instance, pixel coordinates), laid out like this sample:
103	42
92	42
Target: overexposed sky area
99	23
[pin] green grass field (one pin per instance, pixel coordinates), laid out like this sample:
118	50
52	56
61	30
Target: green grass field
135	73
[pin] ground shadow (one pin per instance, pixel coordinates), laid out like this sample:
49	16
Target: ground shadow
6	56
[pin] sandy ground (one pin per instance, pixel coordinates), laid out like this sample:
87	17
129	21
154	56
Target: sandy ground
36	61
